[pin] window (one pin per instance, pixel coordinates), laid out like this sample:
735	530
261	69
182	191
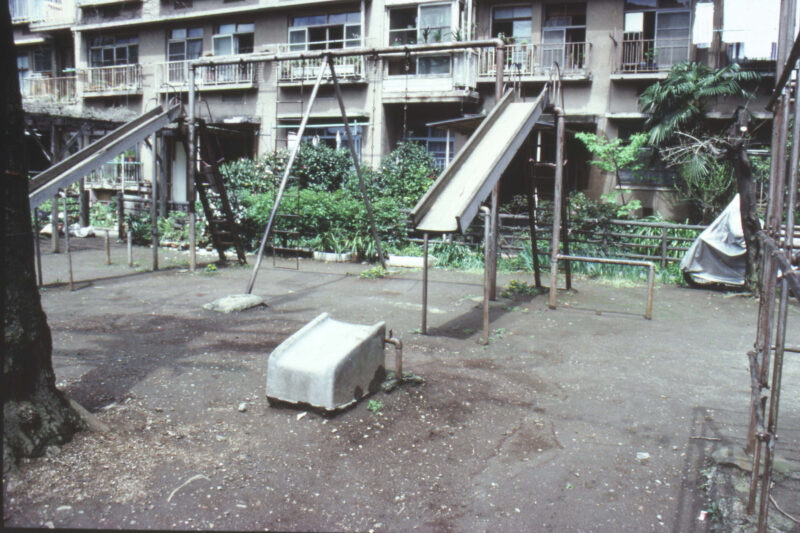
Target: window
421	24
233	39
657	34
564	25
110	51
437	143
325	32
42	61
185	44
512	21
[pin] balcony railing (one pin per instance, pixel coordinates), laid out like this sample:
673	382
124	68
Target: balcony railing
41	11
529	60
238	74
297	70
117	174
122	79
56	90
653	55
462	74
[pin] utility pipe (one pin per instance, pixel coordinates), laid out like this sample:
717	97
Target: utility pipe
398	355
559	184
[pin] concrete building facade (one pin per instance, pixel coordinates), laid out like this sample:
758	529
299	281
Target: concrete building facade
87	65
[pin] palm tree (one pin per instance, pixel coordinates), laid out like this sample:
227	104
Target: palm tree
678	102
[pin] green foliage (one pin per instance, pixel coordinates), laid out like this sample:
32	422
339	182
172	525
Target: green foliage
584	210
322	167
678	102
175	228
211	268
519	288
375	406
708	183
375	272
614	155
139	224
456	255
406	174
103	215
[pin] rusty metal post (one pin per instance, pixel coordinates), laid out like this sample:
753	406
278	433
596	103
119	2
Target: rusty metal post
494	222
487	252
191	170
559	185
565	238
424	327
663	247
398	355
356	162
154	202
54	238
37	245
108	247
66	242
531	198
651	281
120	215
130	249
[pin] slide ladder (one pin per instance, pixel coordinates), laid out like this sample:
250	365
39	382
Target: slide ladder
216	205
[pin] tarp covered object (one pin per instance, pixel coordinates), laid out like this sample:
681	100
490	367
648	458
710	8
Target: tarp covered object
719	254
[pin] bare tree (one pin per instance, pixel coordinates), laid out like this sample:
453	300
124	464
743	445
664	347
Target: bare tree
35	414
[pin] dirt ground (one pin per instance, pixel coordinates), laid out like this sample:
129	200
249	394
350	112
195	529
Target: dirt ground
542	430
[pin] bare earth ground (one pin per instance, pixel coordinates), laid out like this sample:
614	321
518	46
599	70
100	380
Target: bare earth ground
537	432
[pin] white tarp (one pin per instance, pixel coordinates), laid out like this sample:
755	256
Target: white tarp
719	254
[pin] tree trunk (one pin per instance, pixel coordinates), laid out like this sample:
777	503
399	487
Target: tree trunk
35	414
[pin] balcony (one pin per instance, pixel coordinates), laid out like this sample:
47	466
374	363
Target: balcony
643	56
348	70
111	81
42	13
116	175
49	90
450	80
239	74
534	62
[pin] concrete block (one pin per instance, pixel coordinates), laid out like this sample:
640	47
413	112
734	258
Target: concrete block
328	364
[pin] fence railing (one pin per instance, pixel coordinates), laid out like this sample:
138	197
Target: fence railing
117	174
660	242
56	90
653	55
297	70
462	74
536	59
121	78
236	73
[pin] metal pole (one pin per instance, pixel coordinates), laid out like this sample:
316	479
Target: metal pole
108	249
559	184
284	180
494	222
486	258
532	224
54	223
424	327
191	158
154	202
37	244
66	241
356	163
651	279
120	216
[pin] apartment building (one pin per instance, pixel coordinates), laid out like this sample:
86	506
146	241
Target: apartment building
87	66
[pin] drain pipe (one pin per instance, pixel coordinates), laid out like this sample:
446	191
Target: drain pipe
398	354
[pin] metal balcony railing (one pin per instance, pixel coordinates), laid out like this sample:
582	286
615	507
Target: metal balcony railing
117	174
238	73
297	70
116	79
55	90
653	55
462	74
537	59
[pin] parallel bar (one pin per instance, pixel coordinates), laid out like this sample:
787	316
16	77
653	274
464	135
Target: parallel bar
648	314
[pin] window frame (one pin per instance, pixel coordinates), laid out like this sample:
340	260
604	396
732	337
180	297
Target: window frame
303	29
233	37
512	19
186	40
425	63
109	46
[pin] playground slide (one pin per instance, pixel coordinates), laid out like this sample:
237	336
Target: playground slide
64	173
455	197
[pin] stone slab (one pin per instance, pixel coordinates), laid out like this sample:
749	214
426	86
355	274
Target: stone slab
235	302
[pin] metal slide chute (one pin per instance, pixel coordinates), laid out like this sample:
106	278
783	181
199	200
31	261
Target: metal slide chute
454	199
64	173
